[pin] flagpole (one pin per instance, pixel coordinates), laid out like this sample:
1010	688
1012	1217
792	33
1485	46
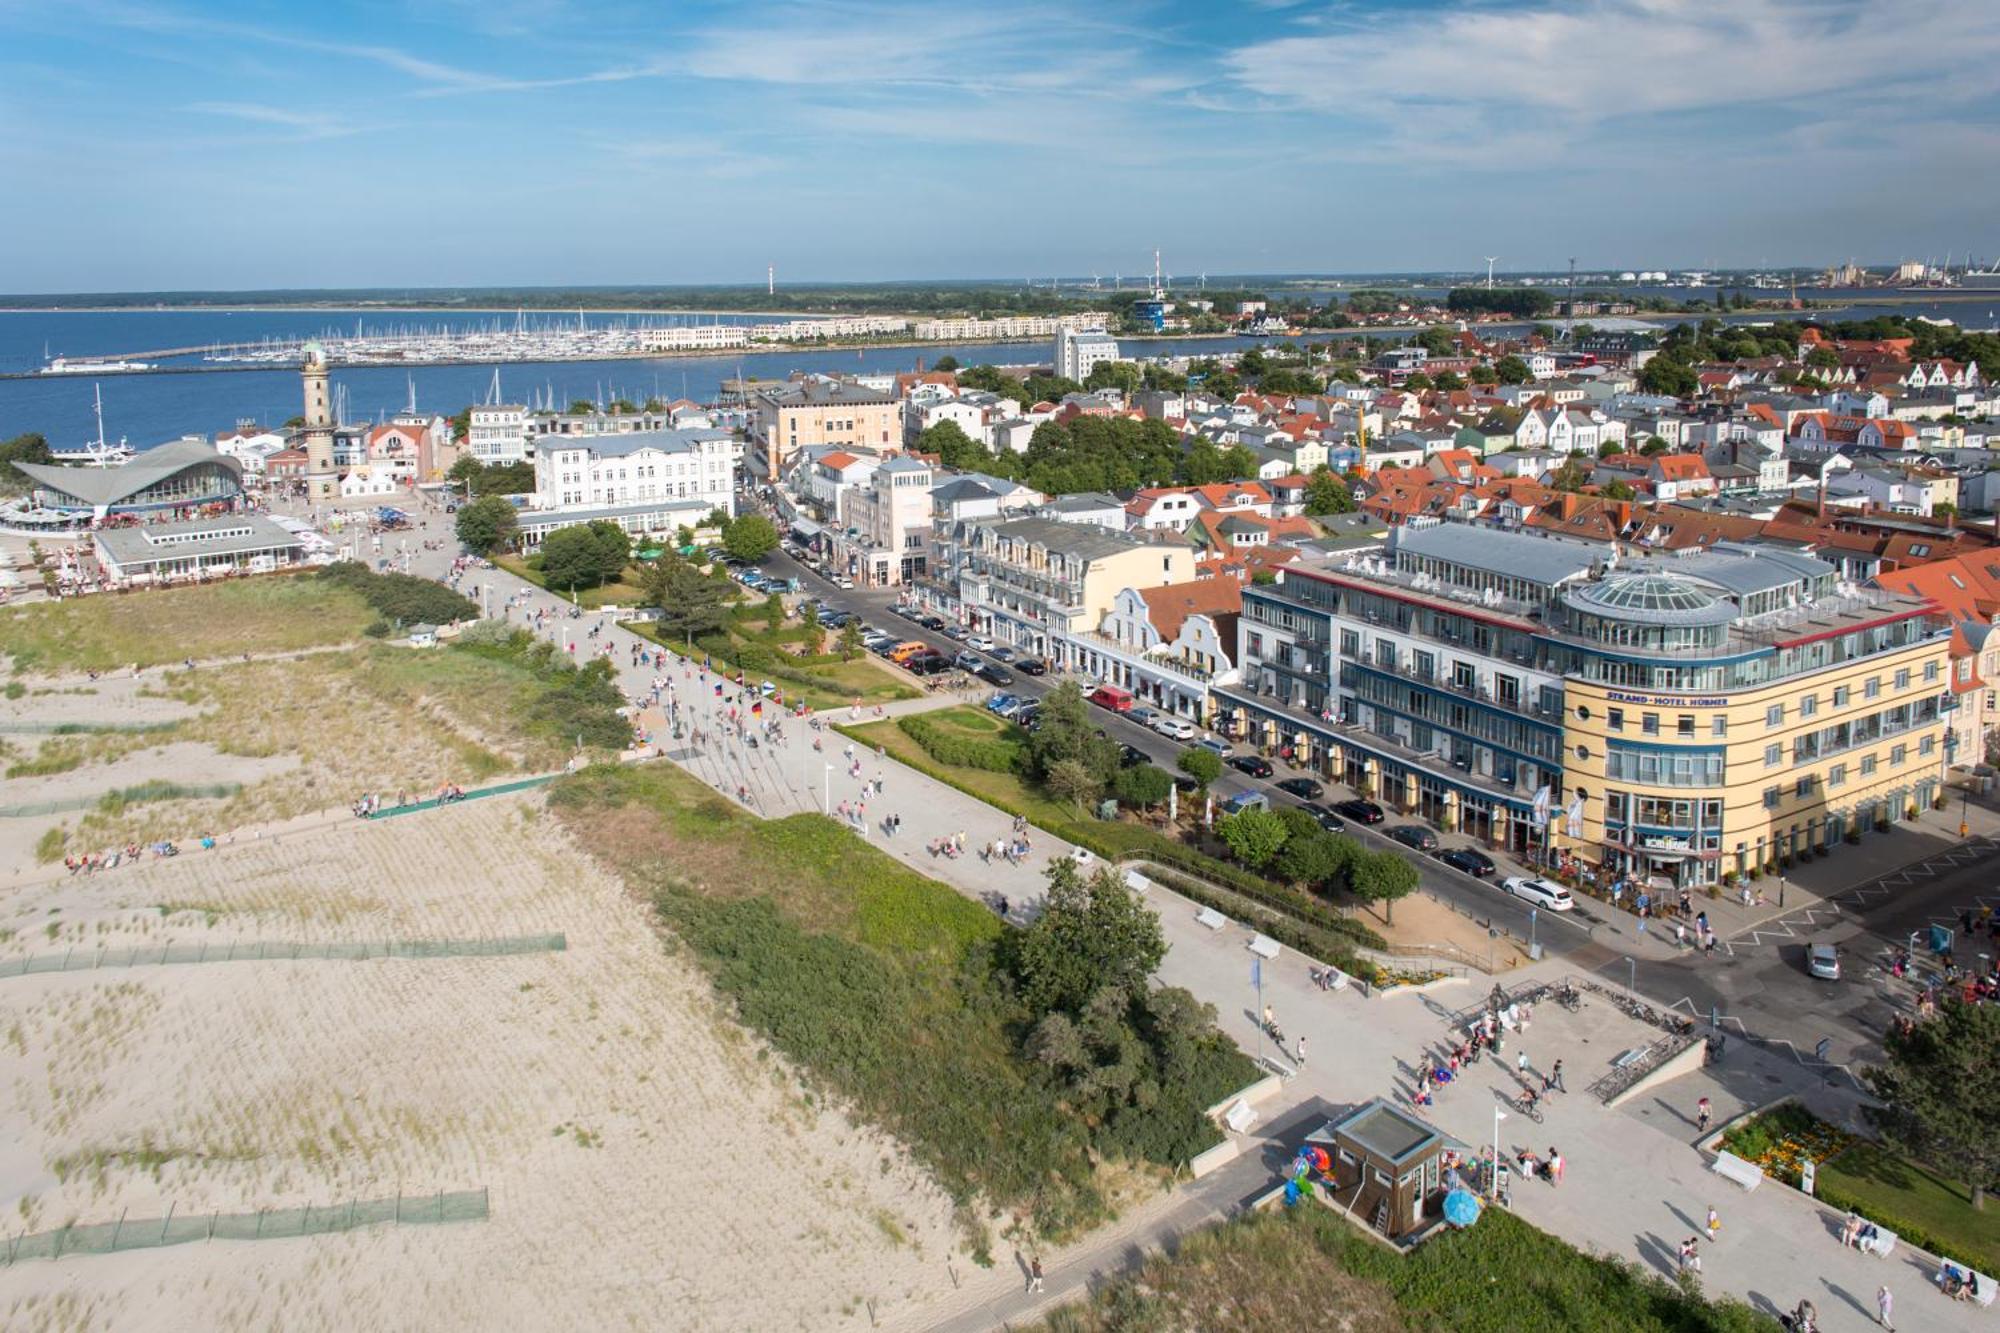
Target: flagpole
1498	1116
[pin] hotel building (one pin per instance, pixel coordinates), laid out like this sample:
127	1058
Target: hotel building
1669	718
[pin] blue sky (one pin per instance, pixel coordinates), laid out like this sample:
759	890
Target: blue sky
180	144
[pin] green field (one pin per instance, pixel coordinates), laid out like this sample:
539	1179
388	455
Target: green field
1309	1268
1924	1209
625	592
825	685
881	984
107	631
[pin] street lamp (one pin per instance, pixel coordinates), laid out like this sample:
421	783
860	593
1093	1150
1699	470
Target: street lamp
1632	975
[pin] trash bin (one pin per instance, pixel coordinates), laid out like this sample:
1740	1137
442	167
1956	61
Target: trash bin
1535	952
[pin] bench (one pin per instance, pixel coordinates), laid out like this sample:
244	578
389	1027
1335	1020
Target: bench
1265	947
1731	1167
1137	882
1982	1285
1211	918
1879	1244
1335	979
1628	1058
1240	1116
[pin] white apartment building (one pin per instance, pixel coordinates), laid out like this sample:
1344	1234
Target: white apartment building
498	433
694	337
697	466
1078	352
886	525
921	413
1012	326
847	326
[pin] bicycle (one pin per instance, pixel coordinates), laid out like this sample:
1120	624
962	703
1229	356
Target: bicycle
1529	1106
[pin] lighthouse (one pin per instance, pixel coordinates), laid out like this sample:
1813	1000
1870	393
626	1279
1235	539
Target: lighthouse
321	481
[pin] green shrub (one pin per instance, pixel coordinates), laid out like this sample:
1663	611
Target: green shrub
400	597
952	747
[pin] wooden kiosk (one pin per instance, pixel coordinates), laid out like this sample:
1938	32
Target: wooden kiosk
1388	1167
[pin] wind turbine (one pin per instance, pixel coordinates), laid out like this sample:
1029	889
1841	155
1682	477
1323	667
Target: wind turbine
1489	271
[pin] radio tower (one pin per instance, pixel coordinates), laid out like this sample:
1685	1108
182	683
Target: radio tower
770	279
1159	293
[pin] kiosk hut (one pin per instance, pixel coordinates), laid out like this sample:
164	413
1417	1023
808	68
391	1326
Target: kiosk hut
1388	1168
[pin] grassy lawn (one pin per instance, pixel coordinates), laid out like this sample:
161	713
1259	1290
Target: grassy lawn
824	685
163	625
878	983
1922	1208
1307	1267
621	593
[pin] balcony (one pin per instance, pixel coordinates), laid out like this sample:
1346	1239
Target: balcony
1157	661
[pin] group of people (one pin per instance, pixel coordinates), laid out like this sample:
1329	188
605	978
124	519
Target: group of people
89	863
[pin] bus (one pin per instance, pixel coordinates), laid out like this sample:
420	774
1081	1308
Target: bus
1113	698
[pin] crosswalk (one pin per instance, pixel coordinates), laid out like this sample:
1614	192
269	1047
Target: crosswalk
1848	904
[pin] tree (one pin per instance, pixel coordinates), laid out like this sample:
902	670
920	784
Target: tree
461	425
1073	781
750	538
1092	936
28	448
1483	374
1654	446
621	407
1510	369
487	524
1381	877
1940	1089
1823	358
581	407
1254	836
1064	734
1619	490
1141	785
849	644
947	362
1326	493
1571	476
1318	859
1120	375
1664	375
690	600
953	447
1447	380
774	611
1202	764
585	556
1945	510
812	633
464	470
1418	382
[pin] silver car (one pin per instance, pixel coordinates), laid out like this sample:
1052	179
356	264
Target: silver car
1823	961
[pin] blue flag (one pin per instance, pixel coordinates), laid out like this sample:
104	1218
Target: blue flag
1257	973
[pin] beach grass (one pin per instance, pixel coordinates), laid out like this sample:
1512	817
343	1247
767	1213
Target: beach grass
155	626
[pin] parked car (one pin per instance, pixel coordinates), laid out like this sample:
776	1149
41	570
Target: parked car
994	674
1327	819
1032	666
1003	705
1246	800
1173	728
1256	765
1131	756
1823	961
1216	744
931	623
929	664
1540	892
979	643
1471	860
1304	788
958	632
843	582
1029	715
1360	811
1414	836
1142	715
1001	653
967	661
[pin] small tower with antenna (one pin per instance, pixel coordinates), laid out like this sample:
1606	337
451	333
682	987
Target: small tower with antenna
770	279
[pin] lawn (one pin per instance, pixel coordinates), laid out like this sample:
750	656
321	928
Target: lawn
824	685
1308	1267
152	626
877	982
622	593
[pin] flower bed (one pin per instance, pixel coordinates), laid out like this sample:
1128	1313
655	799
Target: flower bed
1783	1139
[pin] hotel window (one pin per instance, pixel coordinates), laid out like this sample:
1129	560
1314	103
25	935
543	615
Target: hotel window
1773	795
1809	705
1684	724
1898	755
1803	787
1837	776
1649	723
1774	755
1867	765
1350	644
1718	726
1614	718
1841	695
1931	671
1871	688
1463	677
1928	745
1903	679
1774	716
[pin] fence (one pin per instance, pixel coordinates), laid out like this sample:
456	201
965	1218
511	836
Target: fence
265	951
144	792
135	1233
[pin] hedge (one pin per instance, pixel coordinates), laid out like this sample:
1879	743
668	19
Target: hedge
960	751
1311	939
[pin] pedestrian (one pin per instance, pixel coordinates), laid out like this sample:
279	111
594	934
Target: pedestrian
1884	1306
1521	1063
1555	1167
1702	1114
1714	1224
1690	1255
1035	1273
1301	1053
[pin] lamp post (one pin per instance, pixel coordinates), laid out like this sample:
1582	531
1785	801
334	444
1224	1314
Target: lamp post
826	792
1632	975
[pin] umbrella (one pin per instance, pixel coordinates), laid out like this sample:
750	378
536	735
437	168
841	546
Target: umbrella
1461	1208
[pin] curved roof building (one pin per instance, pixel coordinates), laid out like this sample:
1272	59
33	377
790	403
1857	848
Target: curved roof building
172	476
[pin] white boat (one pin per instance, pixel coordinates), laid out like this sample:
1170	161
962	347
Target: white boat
64	366
98	454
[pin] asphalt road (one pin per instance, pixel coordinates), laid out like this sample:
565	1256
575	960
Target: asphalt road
1484	901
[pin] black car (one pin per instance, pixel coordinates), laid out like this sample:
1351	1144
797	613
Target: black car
1365	812
1032	666
1254	764
932	623
1131	756
1304	788
1415	836
1475	863
994	674
928	664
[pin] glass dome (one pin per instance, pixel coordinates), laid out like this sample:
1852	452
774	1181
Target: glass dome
1652	598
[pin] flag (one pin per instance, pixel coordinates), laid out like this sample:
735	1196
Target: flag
1541	816
757	708
1573	821
1257	973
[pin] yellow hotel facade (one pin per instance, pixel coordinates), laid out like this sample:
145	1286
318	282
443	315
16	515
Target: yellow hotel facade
1670	719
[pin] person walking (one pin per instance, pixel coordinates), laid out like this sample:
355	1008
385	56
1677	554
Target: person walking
1702	1114
1521	1063
1714	1224
1552	1078
1884	1307
1555	1167
1300	1053
1035	1273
